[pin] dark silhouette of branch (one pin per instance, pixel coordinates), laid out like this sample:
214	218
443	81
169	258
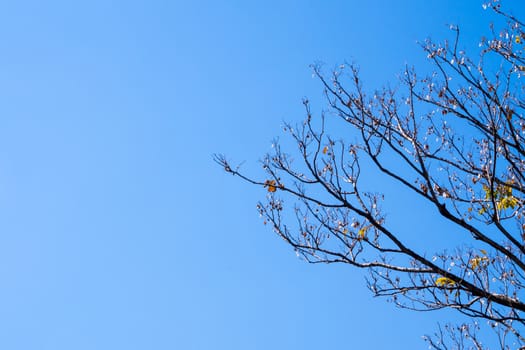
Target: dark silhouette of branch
453	138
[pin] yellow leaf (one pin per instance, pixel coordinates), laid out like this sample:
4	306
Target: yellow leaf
508	202
444	281
483	251
488	192
325	149
518	39
362	232
478	262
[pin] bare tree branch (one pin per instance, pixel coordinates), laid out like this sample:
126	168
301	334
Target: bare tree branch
453	138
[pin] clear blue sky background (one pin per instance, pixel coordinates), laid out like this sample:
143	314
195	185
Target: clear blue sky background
117	231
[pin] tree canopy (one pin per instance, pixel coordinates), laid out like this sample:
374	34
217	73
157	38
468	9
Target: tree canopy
453	137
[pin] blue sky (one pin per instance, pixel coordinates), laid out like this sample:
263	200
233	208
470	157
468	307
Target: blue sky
117	230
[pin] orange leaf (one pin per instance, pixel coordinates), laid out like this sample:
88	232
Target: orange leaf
271	185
